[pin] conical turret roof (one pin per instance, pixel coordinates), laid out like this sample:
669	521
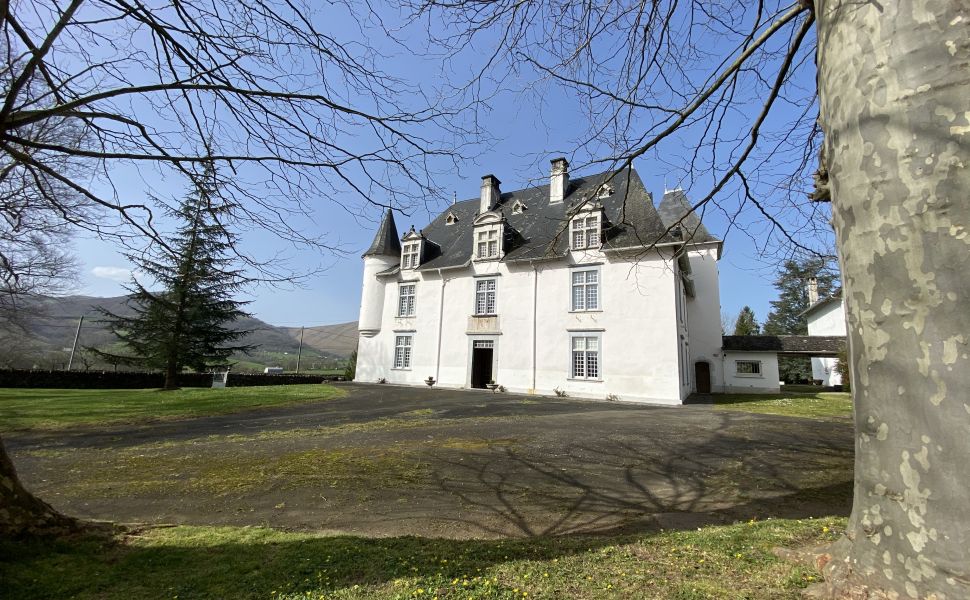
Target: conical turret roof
386	242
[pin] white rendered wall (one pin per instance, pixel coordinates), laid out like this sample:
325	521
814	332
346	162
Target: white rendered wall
827	320
372	294
704	314
766	382
636	324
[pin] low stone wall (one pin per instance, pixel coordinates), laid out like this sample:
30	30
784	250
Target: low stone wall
22	378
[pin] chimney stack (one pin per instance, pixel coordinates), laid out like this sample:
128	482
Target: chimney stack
490	193
558	180
812	290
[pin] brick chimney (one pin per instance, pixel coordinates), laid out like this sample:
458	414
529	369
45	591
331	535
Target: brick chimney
812	290
558	180
490	193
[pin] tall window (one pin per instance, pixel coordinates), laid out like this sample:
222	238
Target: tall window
405	304
586	289
586	357
586	232
487	244
402	352
409	256
485	297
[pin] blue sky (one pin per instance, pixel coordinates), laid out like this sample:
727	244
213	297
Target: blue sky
526	130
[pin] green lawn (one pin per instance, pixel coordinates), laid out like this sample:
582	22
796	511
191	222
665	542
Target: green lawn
55	409
818	405
206	562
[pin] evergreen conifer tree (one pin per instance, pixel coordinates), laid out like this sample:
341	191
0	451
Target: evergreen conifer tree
187	323
746	323
786	316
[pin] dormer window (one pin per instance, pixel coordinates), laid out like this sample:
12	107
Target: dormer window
487	244
410	255
451	219
411	249
605	191
518	207
487	237
585	231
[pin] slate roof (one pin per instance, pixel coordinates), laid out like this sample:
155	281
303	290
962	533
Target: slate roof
672	209
386	242
808	345
833	297
540	231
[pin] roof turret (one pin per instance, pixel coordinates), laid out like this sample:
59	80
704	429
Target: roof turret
386	242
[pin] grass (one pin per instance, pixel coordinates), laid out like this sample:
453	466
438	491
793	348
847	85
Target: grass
57	409
816	405
142	471
719	562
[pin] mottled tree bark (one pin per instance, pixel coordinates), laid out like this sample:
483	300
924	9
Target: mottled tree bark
894	86
23	514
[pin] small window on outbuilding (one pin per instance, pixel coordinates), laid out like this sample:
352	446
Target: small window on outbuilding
748	368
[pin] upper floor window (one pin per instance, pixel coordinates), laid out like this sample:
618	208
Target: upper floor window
485	297
405	304
410	255
402	351
586	289
585	232
487	243
586	357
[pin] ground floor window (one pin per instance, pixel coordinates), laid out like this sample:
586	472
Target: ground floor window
402	352
586	357
748	367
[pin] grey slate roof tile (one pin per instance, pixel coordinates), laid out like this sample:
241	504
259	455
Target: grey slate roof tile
673	208
386	241
809	345
541	230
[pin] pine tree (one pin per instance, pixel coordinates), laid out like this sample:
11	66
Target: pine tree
786	316
746	323
186	323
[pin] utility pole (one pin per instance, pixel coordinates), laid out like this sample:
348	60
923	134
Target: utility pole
300	353
74	347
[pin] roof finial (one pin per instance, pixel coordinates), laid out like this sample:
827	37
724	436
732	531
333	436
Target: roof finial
454	197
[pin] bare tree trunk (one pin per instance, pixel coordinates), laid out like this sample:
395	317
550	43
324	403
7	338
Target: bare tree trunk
21	513
893	84
171	376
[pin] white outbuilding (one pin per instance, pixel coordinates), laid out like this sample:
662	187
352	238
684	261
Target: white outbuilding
581	286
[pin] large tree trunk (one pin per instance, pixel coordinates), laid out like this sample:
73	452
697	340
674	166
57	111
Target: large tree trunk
894	86
21	514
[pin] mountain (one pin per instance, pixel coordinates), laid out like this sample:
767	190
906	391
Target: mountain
51	323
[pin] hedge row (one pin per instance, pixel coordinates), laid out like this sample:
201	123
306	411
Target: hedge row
22	378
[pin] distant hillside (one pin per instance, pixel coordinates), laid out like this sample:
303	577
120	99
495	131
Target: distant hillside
52	322
340	339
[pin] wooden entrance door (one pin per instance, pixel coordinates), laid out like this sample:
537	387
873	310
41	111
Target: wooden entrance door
481	366
702	377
